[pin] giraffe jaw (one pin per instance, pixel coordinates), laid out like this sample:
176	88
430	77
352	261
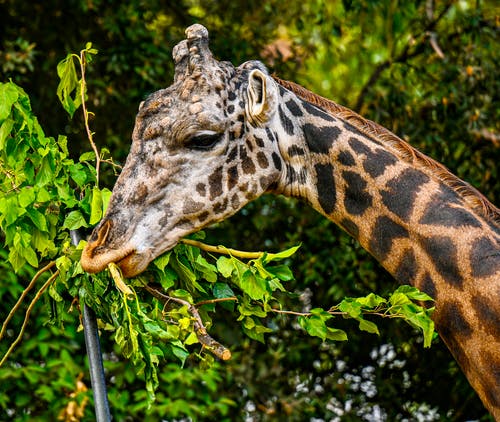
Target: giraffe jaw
133	264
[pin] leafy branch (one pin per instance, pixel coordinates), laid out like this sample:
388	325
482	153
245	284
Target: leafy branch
72	93
204	338
400	304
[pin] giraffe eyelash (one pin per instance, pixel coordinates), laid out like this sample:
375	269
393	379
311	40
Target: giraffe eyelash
204	140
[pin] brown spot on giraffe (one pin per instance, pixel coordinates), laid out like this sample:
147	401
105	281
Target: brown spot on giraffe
424	224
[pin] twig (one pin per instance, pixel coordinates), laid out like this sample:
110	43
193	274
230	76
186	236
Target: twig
26	318
204	338
23	295
221	299
337	313
86	117
226	251
9	175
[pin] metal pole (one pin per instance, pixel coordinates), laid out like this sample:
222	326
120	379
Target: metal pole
96	368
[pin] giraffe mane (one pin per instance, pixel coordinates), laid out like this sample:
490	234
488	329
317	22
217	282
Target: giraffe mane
405	151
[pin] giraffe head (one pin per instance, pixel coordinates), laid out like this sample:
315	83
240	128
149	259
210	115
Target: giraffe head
201	149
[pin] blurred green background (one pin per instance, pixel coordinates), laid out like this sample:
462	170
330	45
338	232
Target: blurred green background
427	70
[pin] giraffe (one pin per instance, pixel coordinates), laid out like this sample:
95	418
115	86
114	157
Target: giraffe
220	136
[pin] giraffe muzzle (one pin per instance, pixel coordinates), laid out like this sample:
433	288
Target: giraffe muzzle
97	255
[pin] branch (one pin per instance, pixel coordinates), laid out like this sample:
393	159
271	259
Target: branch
221	299
204	338
226	251
338	313
23	295
26	318
83	89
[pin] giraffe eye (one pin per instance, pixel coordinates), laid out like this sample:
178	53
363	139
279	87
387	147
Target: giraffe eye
204	141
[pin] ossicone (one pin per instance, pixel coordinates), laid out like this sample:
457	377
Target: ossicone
192	54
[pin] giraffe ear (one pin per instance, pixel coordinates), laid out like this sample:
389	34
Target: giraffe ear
258	97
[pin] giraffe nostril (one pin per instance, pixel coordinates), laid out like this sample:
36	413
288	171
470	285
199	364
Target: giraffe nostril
101	233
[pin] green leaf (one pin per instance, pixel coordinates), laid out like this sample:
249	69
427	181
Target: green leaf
95	206
179	351
281	255
182	294
398	298
167	278
106	196
42	195
37	218
314	326
186	273
368	326
68	83
8	96
351	307
320	312
16	259
30	256
62	141
420	318
253	285
222	290
26	196
78	174
336	334
191	339
45	172
254	329
371	301
283	272
87	156
54	294
274	284
74	220
246	308
413	293
158	332
5	131
162	261
225	266
208	271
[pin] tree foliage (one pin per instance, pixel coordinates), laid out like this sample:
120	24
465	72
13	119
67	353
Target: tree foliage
425	71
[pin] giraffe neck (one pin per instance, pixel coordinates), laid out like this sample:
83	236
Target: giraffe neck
412	219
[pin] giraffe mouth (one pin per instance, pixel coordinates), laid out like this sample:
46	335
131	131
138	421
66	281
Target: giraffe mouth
133	264
97	255
93	261
136	262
